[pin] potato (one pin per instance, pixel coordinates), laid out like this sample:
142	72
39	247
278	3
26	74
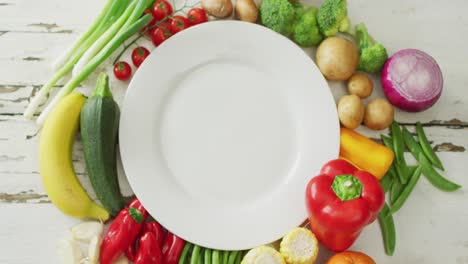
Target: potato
379	114
337	58
246	10
218	8
350	111
361	85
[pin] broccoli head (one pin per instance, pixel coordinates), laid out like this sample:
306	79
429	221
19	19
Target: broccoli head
372	55
306	32
332	17
278	15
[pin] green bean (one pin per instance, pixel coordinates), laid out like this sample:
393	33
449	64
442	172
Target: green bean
434	177
201	255
233	257
395	190
394	169
195	253
208	253
386	182
239	258
388	230
411	143
185	251
426	147
398	203
225	257
215	257
399	148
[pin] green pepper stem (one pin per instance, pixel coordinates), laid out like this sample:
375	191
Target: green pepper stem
347	187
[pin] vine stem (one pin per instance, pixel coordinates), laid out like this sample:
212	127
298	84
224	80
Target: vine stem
142	34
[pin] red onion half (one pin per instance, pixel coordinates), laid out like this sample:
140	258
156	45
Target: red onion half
412	80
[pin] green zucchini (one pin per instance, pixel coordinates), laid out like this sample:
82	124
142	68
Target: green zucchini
99	123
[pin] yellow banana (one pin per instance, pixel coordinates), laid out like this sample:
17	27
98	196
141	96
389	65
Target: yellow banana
55	160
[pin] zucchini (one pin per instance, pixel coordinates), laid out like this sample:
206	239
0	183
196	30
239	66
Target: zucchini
99	126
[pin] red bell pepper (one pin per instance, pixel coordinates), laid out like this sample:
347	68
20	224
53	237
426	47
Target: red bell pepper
341	201
149	251
153	227
122	232
172	248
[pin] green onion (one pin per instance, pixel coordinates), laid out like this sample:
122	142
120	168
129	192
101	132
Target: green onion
62	59
96	61
120	24
111	15
185	251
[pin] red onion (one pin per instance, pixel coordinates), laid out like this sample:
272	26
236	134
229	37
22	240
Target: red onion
412	80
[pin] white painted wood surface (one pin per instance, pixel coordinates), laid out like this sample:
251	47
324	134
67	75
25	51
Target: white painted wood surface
431	228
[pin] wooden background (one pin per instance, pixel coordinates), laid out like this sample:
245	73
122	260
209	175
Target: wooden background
431	228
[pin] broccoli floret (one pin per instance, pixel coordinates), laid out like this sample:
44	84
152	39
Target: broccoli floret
372	55
278	15
333	17
306	32
299	9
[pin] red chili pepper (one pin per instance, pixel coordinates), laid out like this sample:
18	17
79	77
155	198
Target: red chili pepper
149	251
341	201
155	228
172	248
122	232
131	251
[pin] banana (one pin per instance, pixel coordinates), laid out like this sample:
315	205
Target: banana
55	161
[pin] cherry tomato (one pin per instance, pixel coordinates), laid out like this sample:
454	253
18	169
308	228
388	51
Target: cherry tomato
159	35
179	23
197	16
151	23
161	9
139	54
122	70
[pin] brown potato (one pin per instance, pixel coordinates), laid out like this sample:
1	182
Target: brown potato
337	58
246	10
379	114
361	85
218	8
350	111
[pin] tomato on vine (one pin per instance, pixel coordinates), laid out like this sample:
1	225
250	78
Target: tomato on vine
139	54
179	23
122	71
197	16
161	9
159	35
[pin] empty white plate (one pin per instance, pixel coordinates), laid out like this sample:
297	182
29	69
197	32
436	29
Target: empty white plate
222	128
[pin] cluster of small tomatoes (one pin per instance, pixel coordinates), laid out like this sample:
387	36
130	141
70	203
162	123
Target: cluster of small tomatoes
163	25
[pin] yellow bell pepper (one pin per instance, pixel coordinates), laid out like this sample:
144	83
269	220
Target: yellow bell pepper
364	153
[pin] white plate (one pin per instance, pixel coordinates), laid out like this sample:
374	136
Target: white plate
222	128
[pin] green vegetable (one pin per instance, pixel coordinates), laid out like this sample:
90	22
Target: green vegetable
239	258
434	177
306	32
278	15
233	257
185	252
110	47
215	257
395	191
388	230
225	257
99	126
111	12
398	149
398	203
299	9
411	143
373	55
387	182
208	253
426	147
201	256
195	254
332	17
